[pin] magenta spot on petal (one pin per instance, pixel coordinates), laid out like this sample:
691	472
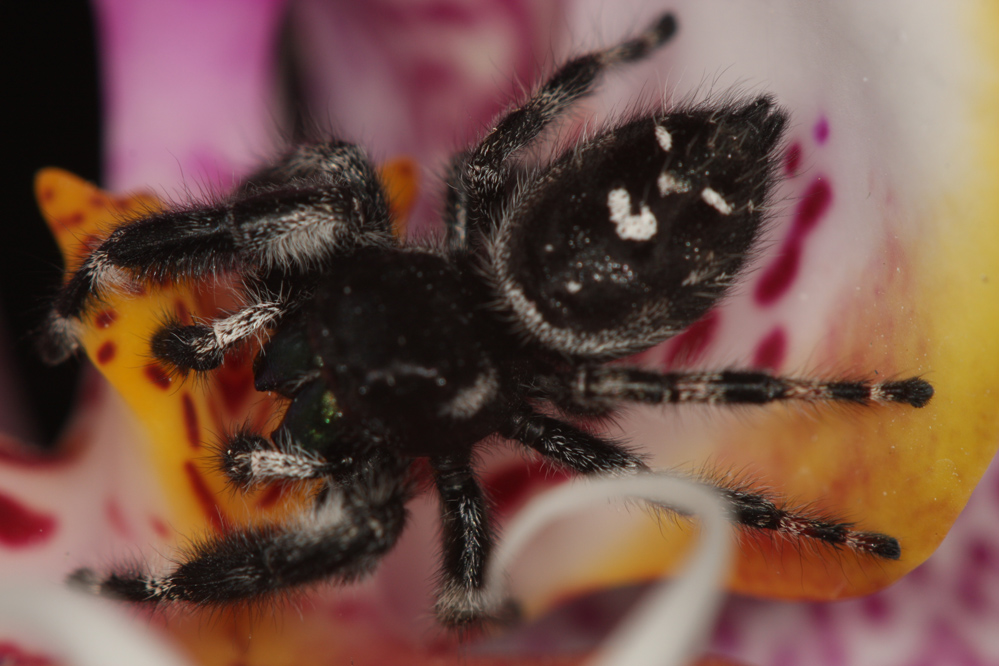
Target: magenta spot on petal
159	527
691	345
780	275
770	352
821	130
792	159
13	654
875	609
812	207
981	563
112	511
21	526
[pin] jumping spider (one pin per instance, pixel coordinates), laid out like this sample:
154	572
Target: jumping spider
392	351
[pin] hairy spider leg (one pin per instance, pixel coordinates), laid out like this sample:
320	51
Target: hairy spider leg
479	178
248	460
288	220
351	526
569	446
601	385
467	544
204	346
751	509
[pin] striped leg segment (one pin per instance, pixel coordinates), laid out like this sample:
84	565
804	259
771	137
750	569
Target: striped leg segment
601	385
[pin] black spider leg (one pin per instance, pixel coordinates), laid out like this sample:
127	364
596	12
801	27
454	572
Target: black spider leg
290	218
467	541
351	526
357	517
204	346
757	511
602	385
479	179
588	454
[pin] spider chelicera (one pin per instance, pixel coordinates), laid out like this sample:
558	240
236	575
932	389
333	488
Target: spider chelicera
389	351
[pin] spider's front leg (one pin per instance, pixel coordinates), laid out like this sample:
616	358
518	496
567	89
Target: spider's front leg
342	537
291	219
480	178
204	346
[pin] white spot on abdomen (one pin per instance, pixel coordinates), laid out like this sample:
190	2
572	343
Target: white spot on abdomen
664	138
670	184
630	227
573	287
716	201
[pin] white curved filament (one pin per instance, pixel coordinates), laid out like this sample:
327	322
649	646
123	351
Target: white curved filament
78	629
671	625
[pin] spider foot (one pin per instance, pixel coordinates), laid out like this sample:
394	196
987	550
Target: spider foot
57	339
467	609
187	347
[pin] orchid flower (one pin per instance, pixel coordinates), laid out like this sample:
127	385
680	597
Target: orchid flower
893	107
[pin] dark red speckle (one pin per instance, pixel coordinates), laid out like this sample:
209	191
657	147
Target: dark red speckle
70	221
780	275
234	381
11	653
270	497
769	354
106	352
191	426
112	511
510	487
204	496
158	376
105	318
792	159
159	527
47	194
183	314
875	609
691	345
98	201
13	452
821	131
22	527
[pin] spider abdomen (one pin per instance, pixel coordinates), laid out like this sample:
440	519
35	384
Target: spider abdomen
629	238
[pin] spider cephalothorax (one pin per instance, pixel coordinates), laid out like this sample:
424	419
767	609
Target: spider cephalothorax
390	351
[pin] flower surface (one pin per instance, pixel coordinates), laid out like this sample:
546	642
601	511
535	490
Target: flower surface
880	261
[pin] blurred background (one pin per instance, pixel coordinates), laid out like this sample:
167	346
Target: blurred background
51	87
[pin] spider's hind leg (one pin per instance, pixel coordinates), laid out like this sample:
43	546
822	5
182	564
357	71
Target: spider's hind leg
610	385
753	510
